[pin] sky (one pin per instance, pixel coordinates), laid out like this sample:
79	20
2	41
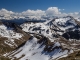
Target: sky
23	5
39	9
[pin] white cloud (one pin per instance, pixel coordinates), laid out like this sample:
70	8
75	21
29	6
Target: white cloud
53	11
34	12
4	11
5	14
74	14
38	14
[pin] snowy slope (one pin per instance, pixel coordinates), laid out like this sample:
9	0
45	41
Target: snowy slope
8	32
38	28
34	51
63	23
10	35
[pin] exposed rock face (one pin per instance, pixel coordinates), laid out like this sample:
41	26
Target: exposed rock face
72	35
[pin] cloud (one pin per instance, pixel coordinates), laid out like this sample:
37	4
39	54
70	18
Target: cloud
74	14
34	13
38	14
5	14
53	11
4	11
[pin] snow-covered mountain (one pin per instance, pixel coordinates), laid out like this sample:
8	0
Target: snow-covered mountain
39	40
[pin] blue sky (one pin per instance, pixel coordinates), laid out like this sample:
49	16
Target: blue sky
22	5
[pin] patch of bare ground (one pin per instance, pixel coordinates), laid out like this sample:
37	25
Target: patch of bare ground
4	47
72	56
4	58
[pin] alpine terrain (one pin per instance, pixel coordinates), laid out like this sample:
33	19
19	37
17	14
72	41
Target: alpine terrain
30	39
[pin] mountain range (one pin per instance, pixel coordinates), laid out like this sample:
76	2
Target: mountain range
31	39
